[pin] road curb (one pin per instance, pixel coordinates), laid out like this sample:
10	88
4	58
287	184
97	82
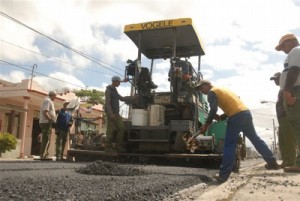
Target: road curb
256	183
227	190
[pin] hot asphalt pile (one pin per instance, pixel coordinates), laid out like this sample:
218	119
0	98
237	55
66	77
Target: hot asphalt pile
107	168
96	181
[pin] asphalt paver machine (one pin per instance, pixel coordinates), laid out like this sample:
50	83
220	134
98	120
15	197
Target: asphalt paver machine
161	122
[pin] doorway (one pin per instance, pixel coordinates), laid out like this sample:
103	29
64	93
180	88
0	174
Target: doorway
35	140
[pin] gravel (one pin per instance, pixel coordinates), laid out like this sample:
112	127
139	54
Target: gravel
39	180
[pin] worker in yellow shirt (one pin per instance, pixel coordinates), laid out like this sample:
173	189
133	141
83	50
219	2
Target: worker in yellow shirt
239	120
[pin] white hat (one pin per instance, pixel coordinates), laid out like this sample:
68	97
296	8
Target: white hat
116	78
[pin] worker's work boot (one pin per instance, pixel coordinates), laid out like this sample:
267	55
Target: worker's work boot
58	158
219	179
295	169
272	166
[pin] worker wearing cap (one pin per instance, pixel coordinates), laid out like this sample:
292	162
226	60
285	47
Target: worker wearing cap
63	124
287	145
290	86
239	120
47	119
115	126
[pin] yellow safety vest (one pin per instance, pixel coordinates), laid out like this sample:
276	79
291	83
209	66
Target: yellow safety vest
228	101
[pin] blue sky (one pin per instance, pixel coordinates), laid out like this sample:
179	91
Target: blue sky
239	38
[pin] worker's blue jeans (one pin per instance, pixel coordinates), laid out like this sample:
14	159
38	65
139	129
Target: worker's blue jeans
241	122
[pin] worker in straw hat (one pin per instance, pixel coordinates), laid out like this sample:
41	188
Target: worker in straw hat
290	87
239	120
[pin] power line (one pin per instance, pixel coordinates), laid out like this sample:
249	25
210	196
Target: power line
66	46
59	60
41	74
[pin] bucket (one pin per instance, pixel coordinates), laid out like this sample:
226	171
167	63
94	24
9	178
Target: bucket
156	115
139	117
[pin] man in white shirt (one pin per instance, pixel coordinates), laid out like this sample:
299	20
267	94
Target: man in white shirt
47	119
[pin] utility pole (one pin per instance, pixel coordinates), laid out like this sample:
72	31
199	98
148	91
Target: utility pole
32	75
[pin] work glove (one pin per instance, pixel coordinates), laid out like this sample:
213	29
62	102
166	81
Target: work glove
202	130
288	98
191	138
220	117
223	117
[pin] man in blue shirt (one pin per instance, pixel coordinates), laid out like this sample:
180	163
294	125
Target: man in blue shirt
63	124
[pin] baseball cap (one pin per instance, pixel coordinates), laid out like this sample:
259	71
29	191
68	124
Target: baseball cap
283	39
275	76
202	82
116	78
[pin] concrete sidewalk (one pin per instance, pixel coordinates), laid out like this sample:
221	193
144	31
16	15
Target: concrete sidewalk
257	184
16	159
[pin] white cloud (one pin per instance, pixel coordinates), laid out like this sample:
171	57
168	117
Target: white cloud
16	76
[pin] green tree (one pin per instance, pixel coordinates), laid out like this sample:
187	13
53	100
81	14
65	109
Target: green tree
91	96
7	142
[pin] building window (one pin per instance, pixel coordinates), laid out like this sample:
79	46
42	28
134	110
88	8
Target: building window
12	123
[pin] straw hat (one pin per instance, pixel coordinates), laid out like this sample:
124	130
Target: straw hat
283	39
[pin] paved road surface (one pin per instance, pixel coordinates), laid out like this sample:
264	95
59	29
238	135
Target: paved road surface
36	180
